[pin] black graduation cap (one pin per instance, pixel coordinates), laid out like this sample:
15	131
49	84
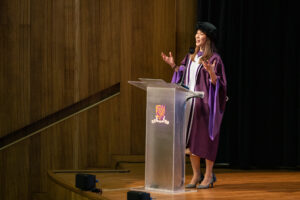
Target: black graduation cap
209	29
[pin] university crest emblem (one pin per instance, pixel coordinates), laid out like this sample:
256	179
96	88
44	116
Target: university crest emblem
160	115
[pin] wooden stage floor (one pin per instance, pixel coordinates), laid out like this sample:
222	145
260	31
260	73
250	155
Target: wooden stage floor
231	184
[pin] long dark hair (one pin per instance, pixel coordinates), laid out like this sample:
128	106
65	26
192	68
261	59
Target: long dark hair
209	49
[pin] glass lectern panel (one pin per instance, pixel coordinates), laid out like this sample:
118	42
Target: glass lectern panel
165	143
165	134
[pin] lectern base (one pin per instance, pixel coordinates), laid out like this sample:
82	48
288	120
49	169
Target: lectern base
143	189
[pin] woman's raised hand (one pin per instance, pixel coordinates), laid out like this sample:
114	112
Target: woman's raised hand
210	68
168	59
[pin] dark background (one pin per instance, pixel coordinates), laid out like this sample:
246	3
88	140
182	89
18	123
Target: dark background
258	43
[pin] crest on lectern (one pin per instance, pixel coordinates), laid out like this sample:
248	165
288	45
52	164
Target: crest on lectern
160	115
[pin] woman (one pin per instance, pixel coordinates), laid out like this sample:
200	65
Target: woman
203	71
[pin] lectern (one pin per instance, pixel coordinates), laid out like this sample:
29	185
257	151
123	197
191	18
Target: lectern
165	134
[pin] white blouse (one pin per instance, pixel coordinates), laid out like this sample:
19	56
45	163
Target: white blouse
193	73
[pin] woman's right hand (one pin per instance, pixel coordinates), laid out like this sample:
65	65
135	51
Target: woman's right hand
168	59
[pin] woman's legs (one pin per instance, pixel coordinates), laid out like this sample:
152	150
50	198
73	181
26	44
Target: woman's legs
195	160
208	172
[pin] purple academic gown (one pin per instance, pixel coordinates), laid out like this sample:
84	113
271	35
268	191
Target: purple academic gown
204	125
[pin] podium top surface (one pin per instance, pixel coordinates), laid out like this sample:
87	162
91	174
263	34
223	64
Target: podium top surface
144	83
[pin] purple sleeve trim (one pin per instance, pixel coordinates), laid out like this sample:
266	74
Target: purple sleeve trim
215	113
177	75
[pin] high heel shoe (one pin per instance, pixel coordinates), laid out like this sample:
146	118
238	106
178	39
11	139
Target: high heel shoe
194	185
214	177
210	184
202	177
190	185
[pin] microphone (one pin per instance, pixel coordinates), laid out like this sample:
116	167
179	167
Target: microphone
191	50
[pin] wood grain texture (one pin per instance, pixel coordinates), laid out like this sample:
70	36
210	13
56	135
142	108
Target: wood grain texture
14	65
122	140
186	16
230	184
58	187
149	29
15	166
54	53
52	59
142	67
24	165
59	116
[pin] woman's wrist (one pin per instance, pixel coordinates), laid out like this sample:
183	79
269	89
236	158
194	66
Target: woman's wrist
173	66
213	77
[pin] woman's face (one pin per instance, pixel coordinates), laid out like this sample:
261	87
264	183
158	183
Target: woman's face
200	38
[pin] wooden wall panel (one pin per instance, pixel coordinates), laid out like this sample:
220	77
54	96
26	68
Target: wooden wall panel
55	53
154	28
142	67
3	13
101	53
54	58
122	140
37	60
55	152
14	65
14	172
99	137
186	17
99	44
149	29
2	176
24	165
164	37
4	110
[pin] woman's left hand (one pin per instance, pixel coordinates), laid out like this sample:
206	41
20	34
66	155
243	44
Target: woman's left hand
210	68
